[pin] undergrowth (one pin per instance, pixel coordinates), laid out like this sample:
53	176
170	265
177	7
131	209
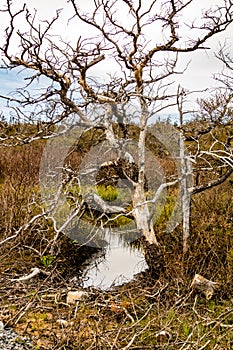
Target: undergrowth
143	314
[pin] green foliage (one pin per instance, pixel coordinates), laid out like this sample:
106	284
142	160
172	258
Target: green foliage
186	328
47	260
107	193
121	221
165	210
19	340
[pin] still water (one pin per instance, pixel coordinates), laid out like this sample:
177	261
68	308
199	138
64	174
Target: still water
119	265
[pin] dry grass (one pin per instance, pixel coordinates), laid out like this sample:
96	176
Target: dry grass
128	317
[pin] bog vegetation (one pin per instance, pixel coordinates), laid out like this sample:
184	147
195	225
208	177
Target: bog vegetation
146	313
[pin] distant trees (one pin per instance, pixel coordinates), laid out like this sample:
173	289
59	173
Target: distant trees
136	88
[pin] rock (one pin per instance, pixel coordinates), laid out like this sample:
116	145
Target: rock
9	340
64	323
163	336
204	286
73	297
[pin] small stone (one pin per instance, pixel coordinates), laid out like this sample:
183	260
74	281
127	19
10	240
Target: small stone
204	286
162	336
73	297
65	323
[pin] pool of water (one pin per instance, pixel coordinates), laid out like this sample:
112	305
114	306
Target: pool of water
119	265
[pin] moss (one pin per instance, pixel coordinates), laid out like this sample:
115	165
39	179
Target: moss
108	193
47	260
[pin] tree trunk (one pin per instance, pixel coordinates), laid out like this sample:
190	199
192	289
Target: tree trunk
154	258
152	251
142	215
186	173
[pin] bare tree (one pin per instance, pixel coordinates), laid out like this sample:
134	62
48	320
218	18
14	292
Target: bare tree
139	88
208	135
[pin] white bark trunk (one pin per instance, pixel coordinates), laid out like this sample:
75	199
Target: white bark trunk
185	194
142	215
141	210
140	207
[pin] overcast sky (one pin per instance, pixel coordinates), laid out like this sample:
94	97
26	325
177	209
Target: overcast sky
199	75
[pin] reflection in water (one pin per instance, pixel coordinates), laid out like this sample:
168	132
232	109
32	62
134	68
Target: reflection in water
119	265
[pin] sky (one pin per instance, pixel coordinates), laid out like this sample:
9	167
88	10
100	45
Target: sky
202	64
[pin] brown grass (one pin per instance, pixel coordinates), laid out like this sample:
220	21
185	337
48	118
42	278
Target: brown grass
135	312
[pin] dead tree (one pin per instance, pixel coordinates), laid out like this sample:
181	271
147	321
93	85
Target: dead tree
72	94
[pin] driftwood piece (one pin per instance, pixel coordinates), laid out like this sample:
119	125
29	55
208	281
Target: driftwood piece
204	286
35	271
75	296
